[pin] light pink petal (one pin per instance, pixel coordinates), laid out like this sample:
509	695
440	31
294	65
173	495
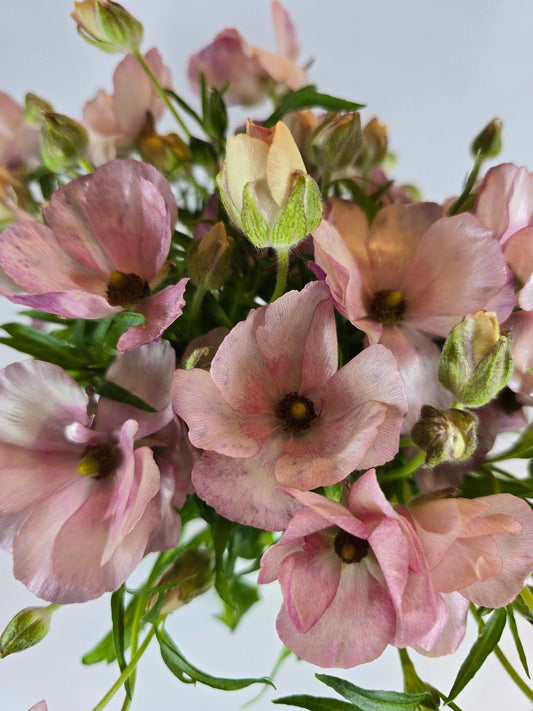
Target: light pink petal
39	706
60	403
469	273
212	423
365	498
466	562
160	311
132	97
285	32
70	304
356	628
521	325
451	635
167	535
99	117
244	490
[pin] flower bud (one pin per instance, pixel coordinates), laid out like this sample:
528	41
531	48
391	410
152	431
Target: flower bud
476	361
489	141
193	573
265	190
27	628
34	108
209	258
445	435
337	141
166	153
107	25
64	142
375	145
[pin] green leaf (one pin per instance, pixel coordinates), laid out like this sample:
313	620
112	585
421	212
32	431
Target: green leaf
366	700
516	638
117	618
115	392
307	98
459	204
43	346
521	449
482	647
315	703
186	672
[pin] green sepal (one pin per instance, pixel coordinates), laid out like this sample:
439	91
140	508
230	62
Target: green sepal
301	215
227	202
254	224
490	376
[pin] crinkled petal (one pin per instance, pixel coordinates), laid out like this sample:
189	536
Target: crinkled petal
446	640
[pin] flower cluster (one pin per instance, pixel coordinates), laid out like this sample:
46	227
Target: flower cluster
260	335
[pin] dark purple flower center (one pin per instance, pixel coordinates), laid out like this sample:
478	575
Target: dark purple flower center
98	460
387	307
126	289
295	412
350	549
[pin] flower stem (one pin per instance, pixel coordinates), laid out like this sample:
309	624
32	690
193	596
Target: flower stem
283	270
127	671
408	468
162	93
513	673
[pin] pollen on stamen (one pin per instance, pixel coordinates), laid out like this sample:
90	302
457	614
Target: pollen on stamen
126	290
387	306
295	412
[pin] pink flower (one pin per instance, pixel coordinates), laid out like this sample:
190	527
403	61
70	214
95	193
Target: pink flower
482	548
19	143
275	410
115	122
40	706
252	72
411	274
80	501
354	579
105	249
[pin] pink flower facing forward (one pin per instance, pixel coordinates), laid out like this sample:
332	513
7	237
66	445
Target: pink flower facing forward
106	247
115	122
354	579
410	275
275	410
80	502
251	72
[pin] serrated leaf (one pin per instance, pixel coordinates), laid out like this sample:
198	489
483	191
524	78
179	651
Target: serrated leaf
315	703
516	637
307	98
183	669
482	647
117	618
368	700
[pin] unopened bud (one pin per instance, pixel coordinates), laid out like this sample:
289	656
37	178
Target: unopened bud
476	361
107	25
445	435
193	572
209	258
166	153
489	141
375	145
336	142
34	108
64	142
27	628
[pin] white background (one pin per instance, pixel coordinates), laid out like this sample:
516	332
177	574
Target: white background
435	74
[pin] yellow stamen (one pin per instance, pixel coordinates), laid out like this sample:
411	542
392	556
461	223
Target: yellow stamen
393	298
298	410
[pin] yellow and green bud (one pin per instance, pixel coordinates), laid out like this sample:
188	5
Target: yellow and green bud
209	258
27	628
64	142
375	145
193	574
445	435
489	141
337	141
34	108
107	25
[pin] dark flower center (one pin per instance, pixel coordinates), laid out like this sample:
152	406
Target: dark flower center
295	412
350	549
387	306
126	289
98	460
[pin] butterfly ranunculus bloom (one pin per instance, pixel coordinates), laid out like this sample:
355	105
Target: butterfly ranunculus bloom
409	275
353	577
104	250
80	500
274	409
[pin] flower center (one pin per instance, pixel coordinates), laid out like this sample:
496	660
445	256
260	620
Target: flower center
98	460
387	306
295	412
350	549
126	289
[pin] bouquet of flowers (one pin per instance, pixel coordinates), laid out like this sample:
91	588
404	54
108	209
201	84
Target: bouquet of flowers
258	359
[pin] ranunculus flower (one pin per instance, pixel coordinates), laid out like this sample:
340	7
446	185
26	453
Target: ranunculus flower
80	500
265	188
482	548
115	122
353	577
409	275
274	409
105	248
252	72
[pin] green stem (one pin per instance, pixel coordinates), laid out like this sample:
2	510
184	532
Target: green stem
283	271
135	630
162	93
84	163
196	302
513	673
127	671
408	468
527	595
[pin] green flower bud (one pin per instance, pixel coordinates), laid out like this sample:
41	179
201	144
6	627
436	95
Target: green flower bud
445	435
107	25
27	628
489	141
375	145
476	361
337	141
64	142
209	258
193	572
166	153
35	107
